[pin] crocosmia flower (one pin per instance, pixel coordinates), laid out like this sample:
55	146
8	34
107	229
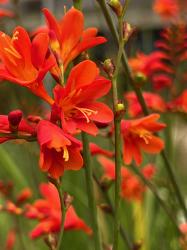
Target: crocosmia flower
138	136
6	13
58	150
71	36
179	104
47	211
167	9
131	187
76	104
153	101
25	62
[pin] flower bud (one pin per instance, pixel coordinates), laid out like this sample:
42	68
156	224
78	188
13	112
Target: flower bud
106	208
116	7
140	78
11	240
34	118
25	194
51	241
120	109
67	200
14	118
108	67
127	31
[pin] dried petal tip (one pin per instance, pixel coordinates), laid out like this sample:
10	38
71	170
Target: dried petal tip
14	118
116	7
108	67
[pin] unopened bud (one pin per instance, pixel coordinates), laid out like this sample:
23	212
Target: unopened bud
140	78
14	118
25	194
108	67
120	110
34	118
137	246
106	183
51	241
108	247
106	208
127	31
116	7
67	200
120	107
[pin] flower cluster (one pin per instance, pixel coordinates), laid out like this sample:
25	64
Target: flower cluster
47	211
131	187
74	106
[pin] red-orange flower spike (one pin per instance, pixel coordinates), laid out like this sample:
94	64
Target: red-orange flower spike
25	62
48	212
153	101
131	187
6	13
74	40
24	195
76	104
179	104
58	150
138	136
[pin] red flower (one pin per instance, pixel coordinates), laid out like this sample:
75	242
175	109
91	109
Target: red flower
152	68
11	239
153	101
76	103
26	63
4	1
179	104
96	150
58	150
138	136
131	187
71	36
24	195
167	9
6	13
48	212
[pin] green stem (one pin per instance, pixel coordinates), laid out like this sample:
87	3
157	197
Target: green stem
123	233
117	131
77	4
90	191
63	212
154	191
142	102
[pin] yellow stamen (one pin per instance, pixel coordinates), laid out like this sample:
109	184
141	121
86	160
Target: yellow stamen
86	112
15	35
13	52
144	134
65	154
